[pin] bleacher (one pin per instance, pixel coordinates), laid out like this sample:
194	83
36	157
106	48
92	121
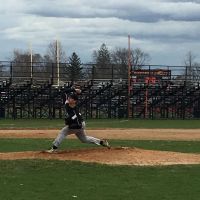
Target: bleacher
35	97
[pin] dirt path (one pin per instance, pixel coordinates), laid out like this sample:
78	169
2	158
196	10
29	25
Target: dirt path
126	134
113	156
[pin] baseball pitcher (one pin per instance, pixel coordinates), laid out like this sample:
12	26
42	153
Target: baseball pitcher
74	123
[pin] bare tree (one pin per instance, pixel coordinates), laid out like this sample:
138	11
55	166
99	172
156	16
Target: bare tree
120	59
55	60
1	70
25	64
55	52
5	72
192	68
139	58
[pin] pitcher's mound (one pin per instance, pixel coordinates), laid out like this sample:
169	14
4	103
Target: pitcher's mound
113	156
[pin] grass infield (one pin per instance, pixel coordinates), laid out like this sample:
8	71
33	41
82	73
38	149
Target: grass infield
12	145
99	123
39	179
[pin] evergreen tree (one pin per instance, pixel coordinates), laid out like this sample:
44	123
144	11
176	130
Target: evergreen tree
102	59
74	68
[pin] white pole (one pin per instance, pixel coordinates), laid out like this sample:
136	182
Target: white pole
129	77
31	59
58	61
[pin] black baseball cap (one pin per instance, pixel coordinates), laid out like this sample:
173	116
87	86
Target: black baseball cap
73	96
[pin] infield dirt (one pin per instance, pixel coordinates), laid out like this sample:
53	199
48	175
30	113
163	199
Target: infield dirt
113	156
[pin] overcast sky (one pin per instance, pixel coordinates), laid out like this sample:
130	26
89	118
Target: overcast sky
165	29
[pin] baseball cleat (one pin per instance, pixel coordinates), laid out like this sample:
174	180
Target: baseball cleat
52	150
105	143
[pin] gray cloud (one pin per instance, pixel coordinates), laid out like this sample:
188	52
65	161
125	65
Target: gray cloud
144	11
158	26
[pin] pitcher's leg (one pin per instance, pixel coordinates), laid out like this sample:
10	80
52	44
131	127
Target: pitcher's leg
61	136
86	139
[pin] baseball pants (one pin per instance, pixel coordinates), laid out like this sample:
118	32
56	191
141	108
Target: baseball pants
80	133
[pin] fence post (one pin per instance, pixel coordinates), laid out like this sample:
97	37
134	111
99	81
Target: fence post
93	69
112	72
52	72
11	72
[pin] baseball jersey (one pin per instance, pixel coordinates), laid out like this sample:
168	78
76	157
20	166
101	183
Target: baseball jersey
72	116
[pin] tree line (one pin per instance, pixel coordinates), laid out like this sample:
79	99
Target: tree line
104	62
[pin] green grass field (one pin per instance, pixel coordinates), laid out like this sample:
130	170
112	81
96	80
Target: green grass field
55	180
12	145
39	180
99	123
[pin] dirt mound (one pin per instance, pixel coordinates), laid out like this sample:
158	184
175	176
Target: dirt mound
113	156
